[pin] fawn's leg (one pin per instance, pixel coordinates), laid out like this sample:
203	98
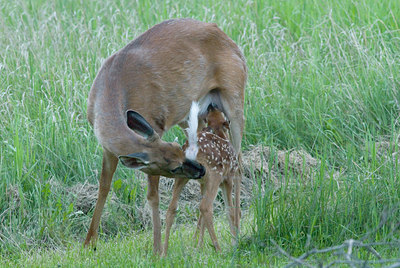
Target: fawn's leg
206	208
198	227
226	187
178	186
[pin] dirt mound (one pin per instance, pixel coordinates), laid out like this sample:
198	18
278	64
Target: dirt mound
86	196
387	150
271	164
13	197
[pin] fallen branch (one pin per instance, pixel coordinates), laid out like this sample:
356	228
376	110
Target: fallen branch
346	250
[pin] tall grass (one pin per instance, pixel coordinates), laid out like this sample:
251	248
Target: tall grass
323	76
361	201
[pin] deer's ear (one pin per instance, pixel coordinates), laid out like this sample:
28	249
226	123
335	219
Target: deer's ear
137	123
136	160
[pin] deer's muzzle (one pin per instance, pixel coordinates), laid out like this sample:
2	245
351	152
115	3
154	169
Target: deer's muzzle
193	169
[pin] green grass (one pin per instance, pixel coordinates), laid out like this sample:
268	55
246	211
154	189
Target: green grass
136	250
324	76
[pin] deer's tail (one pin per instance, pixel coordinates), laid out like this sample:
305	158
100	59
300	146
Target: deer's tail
192	150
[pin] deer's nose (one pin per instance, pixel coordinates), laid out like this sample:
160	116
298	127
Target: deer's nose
193	169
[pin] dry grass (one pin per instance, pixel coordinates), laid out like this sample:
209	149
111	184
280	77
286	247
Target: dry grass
265	162
272	164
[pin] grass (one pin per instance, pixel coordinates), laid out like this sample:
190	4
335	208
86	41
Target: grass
324	76
136	250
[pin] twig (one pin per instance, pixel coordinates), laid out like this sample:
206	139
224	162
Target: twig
282	251
351	245
352	262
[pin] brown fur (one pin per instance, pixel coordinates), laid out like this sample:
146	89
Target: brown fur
217	154
217	124
158	75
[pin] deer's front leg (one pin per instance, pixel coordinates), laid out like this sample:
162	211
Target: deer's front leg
153	199
109	165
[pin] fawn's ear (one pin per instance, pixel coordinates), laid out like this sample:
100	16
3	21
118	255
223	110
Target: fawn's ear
136	160
212	107
226	125
137	123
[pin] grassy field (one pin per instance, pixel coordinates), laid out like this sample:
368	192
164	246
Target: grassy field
324	77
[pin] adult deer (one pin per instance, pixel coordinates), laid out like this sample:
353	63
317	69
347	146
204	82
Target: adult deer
157	76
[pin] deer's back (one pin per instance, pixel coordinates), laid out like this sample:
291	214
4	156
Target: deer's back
163	70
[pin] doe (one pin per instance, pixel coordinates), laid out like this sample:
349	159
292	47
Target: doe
146	88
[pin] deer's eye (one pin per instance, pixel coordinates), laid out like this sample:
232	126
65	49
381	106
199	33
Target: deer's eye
176	170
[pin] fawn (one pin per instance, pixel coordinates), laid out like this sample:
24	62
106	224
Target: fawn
217	155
